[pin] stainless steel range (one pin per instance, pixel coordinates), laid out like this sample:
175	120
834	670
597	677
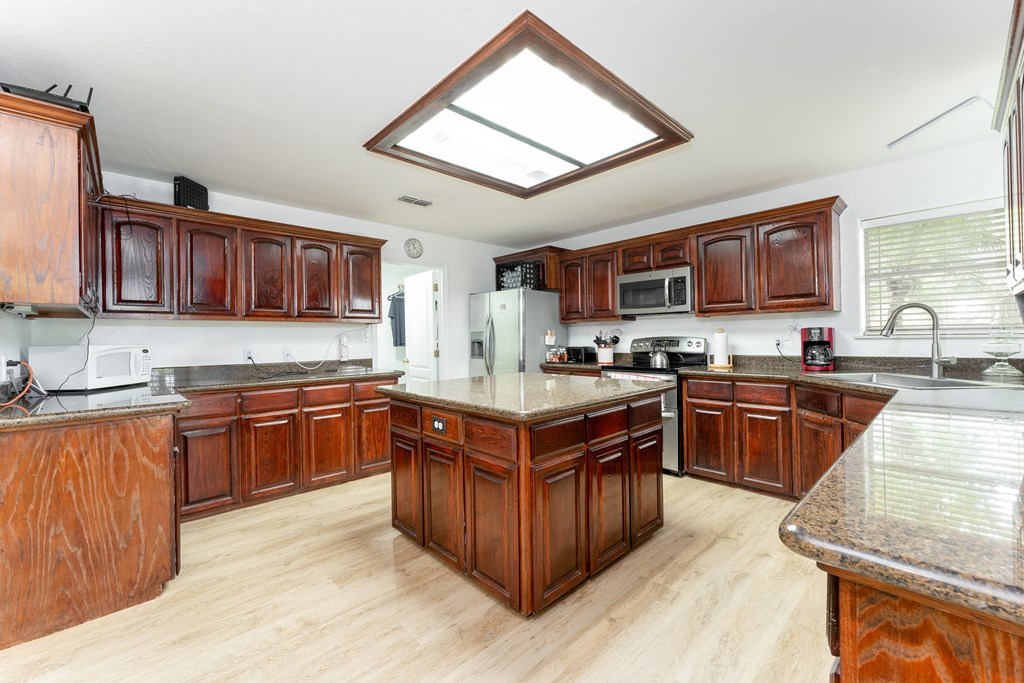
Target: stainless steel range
682	352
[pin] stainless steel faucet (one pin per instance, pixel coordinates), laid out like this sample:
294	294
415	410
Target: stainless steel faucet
938	360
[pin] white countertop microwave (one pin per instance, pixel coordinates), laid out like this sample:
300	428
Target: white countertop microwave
83	368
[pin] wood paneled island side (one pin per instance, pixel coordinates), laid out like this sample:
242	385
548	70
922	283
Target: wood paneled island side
528	484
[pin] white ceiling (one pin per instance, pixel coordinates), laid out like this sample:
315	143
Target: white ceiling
274	100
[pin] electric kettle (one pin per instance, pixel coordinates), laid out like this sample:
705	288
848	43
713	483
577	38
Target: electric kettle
659	359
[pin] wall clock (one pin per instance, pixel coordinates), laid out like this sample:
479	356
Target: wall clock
413	248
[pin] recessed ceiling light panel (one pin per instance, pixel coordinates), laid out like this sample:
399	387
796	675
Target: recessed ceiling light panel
527	113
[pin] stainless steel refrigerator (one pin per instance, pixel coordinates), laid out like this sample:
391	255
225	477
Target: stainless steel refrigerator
506	330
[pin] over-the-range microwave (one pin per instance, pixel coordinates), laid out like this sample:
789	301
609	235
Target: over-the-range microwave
83	368
655	292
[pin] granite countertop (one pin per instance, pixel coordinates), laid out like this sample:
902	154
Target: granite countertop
240	377
57	409
929	499
524	397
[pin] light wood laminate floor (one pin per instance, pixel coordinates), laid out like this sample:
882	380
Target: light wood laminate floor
319	586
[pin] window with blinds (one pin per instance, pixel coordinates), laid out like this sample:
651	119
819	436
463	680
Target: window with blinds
955	264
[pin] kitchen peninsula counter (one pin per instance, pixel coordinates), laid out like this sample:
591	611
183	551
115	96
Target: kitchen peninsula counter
204	378
527	483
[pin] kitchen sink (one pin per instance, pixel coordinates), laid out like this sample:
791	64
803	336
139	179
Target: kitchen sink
896	381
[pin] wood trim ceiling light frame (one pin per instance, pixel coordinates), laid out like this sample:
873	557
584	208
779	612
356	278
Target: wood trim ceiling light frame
527	31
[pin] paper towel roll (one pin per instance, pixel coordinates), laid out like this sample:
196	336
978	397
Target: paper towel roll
721	354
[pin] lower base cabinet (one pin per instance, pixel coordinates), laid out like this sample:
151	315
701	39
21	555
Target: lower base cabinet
559	523
406	485
764	448
819	444
647	513
492	511
709	438
609	503
243	448
442	502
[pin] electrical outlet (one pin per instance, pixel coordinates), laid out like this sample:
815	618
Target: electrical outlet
366	334
778	341
247	355
286	353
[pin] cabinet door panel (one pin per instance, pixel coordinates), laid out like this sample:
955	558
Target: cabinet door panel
637	259
268	274
726	271
328	444
647	497
608	503
209	463
601	272
793	263
851	432
137	267
442	502
360	291
271	454
672	252
764	448
492	512
819	445
316	269
572	295
372	424
406	485
709	439
559	527
206	260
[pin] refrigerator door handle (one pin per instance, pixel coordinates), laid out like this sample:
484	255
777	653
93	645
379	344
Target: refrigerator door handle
489	345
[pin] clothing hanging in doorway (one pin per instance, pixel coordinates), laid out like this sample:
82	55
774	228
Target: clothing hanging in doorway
397	314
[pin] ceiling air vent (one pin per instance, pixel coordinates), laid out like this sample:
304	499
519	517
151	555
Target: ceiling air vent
414	201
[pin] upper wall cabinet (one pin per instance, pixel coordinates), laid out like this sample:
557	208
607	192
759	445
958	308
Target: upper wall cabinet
587	290
726	267
207	257
655	254
49	168
137	263
168	261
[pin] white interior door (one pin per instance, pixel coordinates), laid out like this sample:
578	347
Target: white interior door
421	343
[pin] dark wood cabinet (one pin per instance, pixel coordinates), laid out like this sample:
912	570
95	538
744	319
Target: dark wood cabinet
764	447
708	433
327	444
316	278
268	274
727	271
492	515
137	263
559	523
208	449
372	423
609	499
637	258
442	502
672	252
50	168
270	454
819	444
794	263
851	432
406	485
360	290
602	269
647	505
573	292
207	255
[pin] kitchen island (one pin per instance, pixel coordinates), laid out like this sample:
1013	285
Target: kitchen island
920	528
528	484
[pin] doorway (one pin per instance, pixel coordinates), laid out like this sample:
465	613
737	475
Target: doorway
412	311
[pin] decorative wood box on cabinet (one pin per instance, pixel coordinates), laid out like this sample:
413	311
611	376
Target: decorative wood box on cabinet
49	170
545	258
242	448
174	262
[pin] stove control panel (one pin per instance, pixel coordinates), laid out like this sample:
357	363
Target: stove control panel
677	344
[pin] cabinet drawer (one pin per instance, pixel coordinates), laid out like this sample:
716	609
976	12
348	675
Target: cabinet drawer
271	399
700	388
490	437
561	435
645	413
605	423
861	410
321	396
210	405
441	424
405	415
818	400
365	390
767	394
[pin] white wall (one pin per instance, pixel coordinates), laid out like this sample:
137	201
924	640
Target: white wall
14	337
467	267
957	175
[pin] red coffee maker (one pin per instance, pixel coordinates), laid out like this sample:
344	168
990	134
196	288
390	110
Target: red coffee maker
816	349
